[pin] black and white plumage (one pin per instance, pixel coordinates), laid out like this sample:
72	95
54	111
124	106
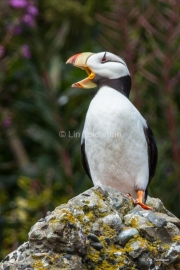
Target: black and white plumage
118	146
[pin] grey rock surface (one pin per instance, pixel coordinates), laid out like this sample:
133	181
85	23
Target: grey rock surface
126	235
101	229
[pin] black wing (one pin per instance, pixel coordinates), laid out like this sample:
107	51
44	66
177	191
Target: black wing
152	151
152	154
84	158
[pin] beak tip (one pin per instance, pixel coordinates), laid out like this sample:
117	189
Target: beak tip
68	62
72	59
77	85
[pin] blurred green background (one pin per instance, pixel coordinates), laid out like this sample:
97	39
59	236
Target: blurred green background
38	169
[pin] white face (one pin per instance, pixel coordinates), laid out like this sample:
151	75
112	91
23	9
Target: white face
108	65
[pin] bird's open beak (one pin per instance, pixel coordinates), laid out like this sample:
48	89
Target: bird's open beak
80	60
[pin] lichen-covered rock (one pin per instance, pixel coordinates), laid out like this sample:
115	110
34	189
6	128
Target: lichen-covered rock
58	232
101	229
126	235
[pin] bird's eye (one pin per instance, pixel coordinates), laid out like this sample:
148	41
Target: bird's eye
104	58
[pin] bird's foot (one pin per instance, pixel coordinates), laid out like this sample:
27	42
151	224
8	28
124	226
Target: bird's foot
144	206
136	201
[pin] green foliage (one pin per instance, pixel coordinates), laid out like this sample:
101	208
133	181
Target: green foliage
39	169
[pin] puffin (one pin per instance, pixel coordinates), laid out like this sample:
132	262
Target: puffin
117	145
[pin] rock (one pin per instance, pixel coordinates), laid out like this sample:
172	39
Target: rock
93	237
174	220
158	206
152	227
101	229
136	220
58	234
173	252
126	235
96	245
158	222
137	247
144	262
114	221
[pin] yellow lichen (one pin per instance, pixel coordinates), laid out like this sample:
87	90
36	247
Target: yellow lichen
166	246
64	216
111	251
108	231
54	221
134	222
105	266
128	248
150	247
38	265
176	238
143	241
86	202
90	216
93	254
148	223
100	194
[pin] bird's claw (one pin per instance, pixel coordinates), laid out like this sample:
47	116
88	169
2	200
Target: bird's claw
130	197
144	206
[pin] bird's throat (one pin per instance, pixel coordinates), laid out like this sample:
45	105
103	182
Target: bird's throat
122	84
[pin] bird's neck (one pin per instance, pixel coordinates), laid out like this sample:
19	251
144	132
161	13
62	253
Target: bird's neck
122	84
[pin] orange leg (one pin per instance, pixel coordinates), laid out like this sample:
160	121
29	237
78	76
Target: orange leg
139	200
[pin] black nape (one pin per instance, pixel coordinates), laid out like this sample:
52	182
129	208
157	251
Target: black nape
122	84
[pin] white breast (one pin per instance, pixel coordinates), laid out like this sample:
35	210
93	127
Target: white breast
115	143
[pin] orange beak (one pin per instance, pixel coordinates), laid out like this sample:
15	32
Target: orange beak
80	60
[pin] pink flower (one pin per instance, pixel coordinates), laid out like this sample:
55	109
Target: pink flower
28	19
26	53
18	3
32	10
